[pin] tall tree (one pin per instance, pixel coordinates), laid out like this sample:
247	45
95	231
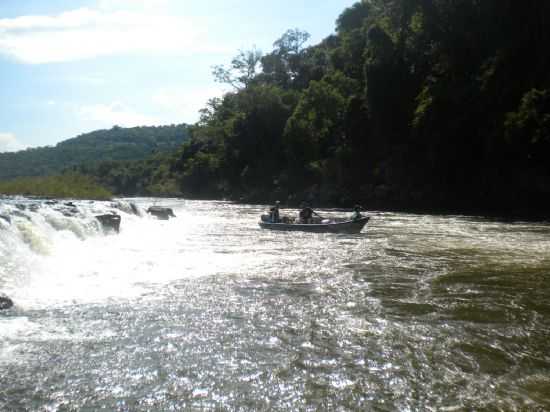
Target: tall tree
283	64
242	70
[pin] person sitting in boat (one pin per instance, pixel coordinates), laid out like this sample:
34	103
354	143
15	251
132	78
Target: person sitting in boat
274	213
357	212
306	214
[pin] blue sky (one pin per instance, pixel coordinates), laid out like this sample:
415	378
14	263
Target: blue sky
72	66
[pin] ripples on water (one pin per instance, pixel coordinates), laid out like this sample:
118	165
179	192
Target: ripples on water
207	311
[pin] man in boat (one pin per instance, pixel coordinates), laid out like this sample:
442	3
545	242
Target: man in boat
357	212
274	213
306	214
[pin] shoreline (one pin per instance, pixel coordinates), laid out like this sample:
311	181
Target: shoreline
502	214
516	214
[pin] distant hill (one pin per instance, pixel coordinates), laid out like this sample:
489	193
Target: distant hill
117	143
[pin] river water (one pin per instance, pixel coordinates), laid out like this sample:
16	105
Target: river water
207	311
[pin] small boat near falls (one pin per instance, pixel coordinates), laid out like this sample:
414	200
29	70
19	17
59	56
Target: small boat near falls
317	226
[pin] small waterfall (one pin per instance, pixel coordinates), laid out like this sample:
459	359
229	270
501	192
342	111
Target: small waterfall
36	236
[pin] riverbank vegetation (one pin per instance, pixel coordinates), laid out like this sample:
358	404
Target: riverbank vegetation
69	185
115	144
410	104
432	104
155	176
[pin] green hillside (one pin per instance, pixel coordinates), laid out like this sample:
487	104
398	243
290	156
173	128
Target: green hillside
117	143
411	104
69	185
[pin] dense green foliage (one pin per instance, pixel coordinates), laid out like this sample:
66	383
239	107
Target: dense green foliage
102	145
73	186
155	176
410	104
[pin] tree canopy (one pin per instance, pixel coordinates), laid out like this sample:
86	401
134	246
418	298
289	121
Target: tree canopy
410	104
117	143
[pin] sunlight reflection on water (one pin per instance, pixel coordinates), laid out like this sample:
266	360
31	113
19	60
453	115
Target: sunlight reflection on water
209	311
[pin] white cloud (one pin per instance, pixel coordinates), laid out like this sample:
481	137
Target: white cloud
185	103
9	143
129	4
116	113
88	33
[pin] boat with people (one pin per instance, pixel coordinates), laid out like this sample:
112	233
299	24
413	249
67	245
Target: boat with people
332	226
306	222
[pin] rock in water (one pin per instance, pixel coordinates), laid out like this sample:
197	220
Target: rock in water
109	221
163	213
5	302
135	209
127	207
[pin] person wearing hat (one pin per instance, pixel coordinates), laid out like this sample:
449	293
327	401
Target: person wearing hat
306	213
274	213
357	212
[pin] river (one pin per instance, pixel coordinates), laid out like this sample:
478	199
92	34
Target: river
208	311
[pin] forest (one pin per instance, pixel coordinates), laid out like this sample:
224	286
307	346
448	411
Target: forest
117	143
67	185
410	105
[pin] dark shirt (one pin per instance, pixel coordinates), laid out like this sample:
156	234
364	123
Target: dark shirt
275	214
306	213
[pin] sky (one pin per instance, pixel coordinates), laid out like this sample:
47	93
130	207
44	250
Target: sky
69	67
